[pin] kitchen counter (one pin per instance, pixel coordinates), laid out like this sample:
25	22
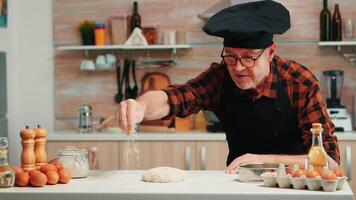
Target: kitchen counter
186	136
205	185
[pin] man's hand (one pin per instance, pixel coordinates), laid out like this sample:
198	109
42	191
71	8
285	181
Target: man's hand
247	159
128	113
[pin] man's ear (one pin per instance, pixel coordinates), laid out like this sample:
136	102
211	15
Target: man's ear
272	51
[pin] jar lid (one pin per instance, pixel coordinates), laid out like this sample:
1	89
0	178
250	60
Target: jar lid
85	107
72	152
99	25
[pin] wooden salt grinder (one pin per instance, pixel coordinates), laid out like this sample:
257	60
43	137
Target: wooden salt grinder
28	158
40	146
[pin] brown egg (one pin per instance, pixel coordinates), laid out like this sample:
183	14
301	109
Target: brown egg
59	166
16	169
64	176
338	172
48	167
22	179
329	175
299	173
312	173
37	178
52	177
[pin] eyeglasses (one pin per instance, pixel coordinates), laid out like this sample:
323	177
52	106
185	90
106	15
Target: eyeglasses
247	61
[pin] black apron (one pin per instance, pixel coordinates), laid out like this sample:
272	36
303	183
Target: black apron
264	126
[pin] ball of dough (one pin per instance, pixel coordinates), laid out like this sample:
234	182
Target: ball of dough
163	175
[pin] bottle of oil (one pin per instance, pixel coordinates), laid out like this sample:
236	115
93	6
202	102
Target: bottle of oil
136	17
317	156
7	175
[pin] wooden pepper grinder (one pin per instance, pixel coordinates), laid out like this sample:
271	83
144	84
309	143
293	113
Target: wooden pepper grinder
28	158
40	146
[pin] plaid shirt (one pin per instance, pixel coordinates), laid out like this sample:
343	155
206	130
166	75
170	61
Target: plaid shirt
204	92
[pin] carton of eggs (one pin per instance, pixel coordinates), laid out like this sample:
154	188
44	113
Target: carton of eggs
294	177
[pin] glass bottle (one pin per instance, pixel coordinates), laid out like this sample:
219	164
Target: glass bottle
317	156
135	18
325	23
336	24
7	175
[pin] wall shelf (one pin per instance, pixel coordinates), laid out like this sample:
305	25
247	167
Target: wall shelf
122	47
351	57
338	43
125	48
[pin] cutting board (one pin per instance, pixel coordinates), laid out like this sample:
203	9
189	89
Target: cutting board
155	81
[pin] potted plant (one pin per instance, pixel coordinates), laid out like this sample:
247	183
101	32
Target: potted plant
86	29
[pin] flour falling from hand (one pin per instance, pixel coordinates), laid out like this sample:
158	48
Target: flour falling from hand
132	154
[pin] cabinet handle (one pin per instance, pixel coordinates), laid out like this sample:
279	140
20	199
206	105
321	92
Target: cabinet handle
348	163
187	158
203	158
93	158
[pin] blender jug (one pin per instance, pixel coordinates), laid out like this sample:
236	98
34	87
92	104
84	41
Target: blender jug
334	83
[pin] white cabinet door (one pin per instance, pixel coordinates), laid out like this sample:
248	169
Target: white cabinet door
155	154
212	155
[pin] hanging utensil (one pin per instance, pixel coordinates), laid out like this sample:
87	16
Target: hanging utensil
134	90
127	79
118	96
130	92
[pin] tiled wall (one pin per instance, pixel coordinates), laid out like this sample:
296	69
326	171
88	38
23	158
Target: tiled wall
73	86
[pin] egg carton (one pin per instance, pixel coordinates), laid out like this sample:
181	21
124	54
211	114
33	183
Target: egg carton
272	180
284	180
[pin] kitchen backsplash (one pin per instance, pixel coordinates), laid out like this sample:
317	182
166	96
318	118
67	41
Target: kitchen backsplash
72	86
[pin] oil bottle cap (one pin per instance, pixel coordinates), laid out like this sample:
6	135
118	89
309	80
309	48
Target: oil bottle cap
316	129
317	125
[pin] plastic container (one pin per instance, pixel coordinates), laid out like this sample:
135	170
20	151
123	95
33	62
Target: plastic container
75	160
119	29
150	33
99	34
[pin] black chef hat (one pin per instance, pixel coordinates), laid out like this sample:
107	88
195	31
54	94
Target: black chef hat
249	25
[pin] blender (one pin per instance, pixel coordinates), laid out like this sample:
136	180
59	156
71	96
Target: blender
337	112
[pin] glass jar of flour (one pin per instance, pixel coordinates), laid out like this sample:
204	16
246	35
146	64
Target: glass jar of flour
75	160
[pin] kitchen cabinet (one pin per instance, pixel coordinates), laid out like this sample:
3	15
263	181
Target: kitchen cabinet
179	154
189	155
348	161
211	155
107	152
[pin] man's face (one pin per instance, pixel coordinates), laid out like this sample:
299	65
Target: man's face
249	77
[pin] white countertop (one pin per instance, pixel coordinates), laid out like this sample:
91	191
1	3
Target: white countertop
182	136
205	185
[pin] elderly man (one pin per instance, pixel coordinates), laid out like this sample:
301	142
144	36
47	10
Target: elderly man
266	104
